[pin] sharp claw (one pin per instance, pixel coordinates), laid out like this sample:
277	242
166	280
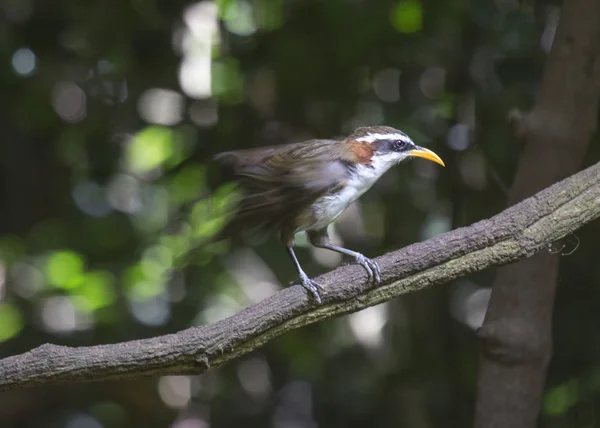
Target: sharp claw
377	273
312	287
375	267
371	267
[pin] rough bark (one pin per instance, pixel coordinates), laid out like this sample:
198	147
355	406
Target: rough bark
518	232
516	335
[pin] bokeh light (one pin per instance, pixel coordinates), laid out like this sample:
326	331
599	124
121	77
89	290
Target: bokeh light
24	61
69	102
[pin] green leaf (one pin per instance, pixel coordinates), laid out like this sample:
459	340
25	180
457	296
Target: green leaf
139	284
407	16
559	399
11	321
177	244
65	269
96	291
224	6
188	184
208	228
225	198
149	149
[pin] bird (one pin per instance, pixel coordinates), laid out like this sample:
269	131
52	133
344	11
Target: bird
305	186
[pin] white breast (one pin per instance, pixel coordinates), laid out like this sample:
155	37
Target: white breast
328	208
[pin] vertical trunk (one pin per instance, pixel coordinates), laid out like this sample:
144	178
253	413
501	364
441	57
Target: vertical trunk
516	335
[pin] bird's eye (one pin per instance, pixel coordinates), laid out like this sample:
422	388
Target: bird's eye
400	145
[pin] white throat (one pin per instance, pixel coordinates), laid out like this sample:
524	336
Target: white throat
366	175
328	208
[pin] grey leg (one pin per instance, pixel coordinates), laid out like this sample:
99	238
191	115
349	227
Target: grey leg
311	286
320	239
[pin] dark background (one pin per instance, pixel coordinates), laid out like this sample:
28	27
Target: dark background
109	112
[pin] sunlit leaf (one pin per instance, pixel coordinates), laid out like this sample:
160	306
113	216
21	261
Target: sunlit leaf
225	198
208	228
224	6
177	244
156	261
188	184
200	212
152	268
149	149
65	269
132	275
96	291
138	284
11	321
145	290
183	144
407	16
209	216
239	18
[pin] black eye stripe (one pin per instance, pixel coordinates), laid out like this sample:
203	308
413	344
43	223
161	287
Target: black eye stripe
397	144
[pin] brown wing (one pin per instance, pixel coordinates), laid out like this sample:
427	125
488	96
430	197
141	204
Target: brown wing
278	182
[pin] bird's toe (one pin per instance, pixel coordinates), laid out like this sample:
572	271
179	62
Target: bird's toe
313	287
376	271
371	267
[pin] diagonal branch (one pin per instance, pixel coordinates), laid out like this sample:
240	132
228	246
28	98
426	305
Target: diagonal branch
516	233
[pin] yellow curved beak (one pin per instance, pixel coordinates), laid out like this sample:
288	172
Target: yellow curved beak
422	152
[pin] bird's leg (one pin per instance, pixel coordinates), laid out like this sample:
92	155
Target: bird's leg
311	286
320	239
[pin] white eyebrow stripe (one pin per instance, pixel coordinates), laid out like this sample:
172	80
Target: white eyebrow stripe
394	136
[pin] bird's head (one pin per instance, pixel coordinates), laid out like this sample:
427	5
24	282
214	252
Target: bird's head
390	146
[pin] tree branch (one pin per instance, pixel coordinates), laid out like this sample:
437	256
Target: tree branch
516	233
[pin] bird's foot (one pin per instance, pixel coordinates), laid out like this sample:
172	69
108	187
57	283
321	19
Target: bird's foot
371	267
312	287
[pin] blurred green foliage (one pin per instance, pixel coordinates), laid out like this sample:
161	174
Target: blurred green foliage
149	149
110	113
407	16
11	321
65	269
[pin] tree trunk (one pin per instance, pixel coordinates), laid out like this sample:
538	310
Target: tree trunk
516	334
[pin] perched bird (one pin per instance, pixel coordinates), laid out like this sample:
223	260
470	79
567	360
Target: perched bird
305	186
